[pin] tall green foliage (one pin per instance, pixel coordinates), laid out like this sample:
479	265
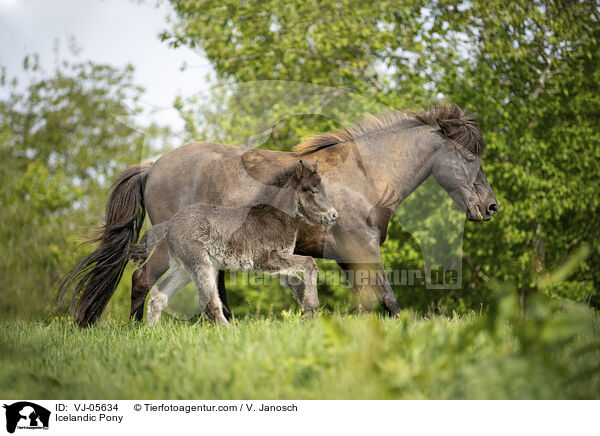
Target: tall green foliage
534	78
341	43
60	145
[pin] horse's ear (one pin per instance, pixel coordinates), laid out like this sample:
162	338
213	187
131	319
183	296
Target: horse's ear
299	169
450	127
267	169
443	125
315	166
285	200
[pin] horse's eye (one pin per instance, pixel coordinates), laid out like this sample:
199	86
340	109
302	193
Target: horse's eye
469	157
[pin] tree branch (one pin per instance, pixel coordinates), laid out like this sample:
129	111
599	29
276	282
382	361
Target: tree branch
344	64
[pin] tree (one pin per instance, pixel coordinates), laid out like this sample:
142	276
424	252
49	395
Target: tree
534	79
61	142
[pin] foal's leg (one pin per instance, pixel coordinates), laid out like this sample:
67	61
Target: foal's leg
204	276
140	287
305	295
304	291
162	293
203	272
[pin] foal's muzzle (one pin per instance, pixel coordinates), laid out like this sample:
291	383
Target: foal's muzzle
329	217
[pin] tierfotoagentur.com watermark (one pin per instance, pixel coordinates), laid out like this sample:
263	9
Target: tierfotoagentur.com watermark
433	279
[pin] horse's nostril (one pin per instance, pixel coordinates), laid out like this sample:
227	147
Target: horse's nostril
334	215
493	208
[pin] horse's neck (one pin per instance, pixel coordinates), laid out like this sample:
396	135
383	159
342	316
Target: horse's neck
400	162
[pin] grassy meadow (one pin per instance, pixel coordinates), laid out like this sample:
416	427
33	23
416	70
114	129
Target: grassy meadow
330	357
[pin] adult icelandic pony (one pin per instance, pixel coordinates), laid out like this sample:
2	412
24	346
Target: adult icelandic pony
368	169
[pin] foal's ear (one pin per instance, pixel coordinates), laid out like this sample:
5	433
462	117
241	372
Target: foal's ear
299	169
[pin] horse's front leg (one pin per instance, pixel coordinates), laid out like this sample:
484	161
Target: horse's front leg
359	256
389	301
369	279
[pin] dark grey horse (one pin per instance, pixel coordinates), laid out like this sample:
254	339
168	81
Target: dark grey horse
203	239
368	169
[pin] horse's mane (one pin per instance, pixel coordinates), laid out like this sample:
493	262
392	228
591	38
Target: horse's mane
454	122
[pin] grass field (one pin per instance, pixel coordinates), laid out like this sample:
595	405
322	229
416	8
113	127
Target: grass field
332	357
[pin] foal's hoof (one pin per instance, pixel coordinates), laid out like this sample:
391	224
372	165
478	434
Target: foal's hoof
355	310
309	314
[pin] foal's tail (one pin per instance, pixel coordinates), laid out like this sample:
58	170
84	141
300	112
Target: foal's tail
138	253
95	277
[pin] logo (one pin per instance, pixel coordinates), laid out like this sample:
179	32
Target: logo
26	415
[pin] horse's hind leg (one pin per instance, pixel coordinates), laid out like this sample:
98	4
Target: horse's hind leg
144	278
162	293
139	291
223	294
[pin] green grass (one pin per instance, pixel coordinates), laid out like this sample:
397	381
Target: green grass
332	357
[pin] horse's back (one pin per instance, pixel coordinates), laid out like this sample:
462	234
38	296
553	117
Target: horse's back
224	175
197	172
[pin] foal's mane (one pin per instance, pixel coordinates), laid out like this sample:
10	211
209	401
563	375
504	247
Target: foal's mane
454	122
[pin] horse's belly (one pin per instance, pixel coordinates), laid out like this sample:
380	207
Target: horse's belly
315	241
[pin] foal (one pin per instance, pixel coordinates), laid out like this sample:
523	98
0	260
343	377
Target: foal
203	239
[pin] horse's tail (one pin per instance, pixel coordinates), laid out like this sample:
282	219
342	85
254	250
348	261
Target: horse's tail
95	277
138	253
